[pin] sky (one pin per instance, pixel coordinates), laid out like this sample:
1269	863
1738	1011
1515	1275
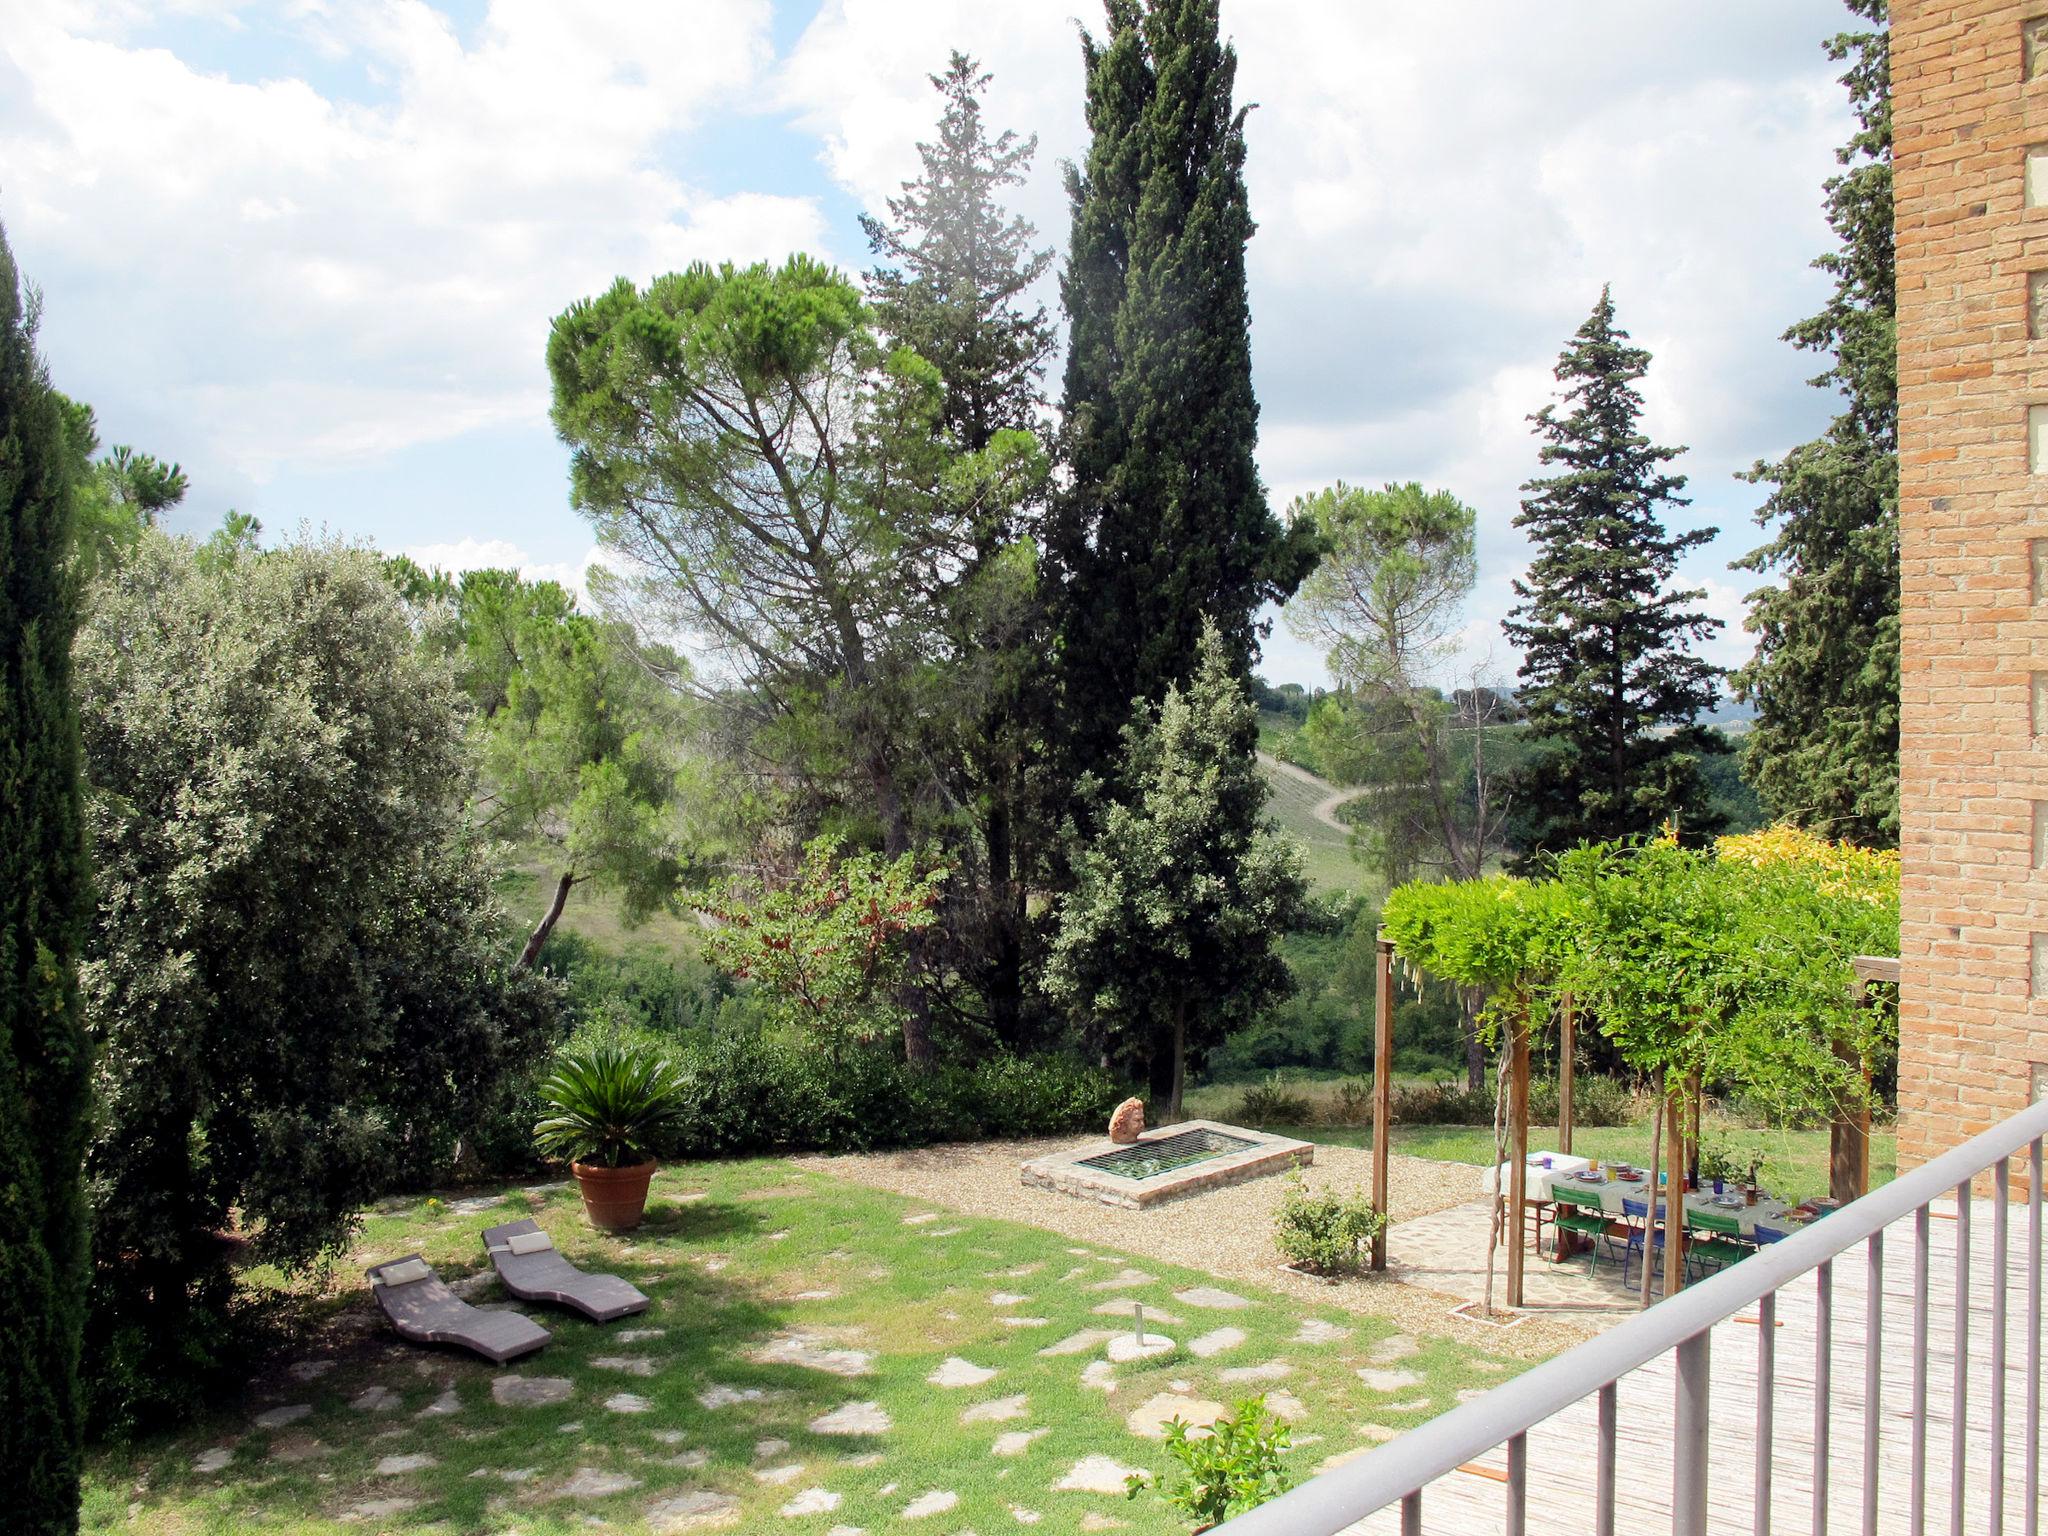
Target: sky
310	249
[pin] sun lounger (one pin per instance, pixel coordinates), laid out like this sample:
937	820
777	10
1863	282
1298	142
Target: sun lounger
533	1271
424	1310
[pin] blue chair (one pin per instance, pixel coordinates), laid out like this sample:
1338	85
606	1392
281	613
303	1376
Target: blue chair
1645	1236
1763	1235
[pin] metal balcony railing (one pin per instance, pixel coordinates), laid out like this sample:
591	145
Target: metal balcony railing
1722	1449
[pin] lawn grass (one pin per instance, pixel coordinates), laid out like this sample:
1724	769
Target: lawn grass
591	912
735	1254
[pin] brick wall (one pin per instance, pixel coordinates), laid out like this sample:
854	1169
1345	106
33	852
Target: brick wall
1970	96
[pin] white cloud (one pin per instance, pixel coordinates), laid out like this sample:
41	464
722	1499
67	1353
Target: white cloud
313	279
471	554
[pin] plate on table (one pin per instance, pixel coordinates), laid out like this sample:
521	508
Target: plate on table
1727	1202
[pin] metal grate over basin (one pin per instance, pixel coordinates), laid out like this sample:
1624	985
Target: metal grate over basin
1149	1159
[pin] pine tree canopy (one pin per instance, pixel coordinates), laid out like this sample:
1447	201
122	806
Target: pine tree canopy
1165	523
1606	639
1825	677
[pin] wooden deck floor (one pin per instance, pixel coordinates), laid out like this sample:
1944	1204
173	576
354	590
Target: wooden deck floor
1561	1452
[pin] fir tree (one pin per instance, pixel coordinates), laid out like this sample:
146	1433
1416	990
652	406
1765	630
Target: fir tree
1606	642
1825	676
953	286
1165	523
43	882
956	269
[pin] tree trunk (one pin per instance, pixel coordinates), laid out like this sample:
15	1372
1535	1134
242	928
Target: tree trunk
1180	1055
539	936
1006	961
1469	999
917	1023
1159	1071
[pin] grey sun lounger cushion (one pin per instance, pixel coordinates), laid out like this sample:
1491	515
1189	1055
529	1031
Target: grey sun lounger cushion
424	1310
542	1274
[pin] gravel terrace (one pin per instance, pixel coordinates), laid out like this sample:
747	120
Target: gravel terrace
1227	1232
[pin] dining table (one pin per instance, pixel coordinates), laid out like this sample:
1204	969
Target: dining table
1767	1210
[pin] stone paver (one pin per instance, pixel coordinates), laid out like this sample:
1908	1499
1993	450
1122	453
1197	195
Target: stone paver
1285	1405
638	1335
1015	1442
691	1511
1126	1347
1094	1474
768	1450
379	1509
1095	1520
277	1418
955	1372
418	1461
1380	1380
295	1448
812	1501
1149	1419
1080	1343
1025	1516
1336	1459
995	1410
448	1402
1211	1299
789	1472
1024	1322
630	1365
213	1460
815	1353
1007	1299
1215	1343
513	1475
531	1391
853	1419
936	1502
308	1370
1267	1370
1124	1280
595	1483
1100	1375
628	1402
1389	1350
1317	1331
719	1396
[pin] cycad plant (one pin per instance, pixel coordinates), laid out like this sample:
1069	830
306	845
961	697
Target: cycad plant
610	1106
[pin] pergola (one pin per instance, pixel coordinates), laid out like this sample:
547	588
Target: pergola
1849	1136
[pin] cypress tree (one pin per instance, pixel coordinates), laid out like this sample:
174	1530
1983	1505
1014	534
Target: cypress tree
1165	522
1605	640
43	882
1825	677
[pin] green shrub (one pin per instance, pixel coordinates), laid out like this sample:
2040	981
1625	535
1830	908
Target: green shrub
1353	1102
1235	1468
1274	1103
1324	1231
610	1106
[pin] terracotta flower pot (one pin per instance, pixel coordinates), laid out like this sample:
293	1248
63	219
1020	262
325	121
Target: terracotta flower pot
614	1198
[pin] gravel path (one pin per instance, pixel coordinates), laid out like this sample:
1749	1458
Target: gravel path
1227	1233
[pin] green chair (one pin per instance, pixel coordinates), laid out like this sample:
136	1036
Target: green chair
1578	1210
1720	1246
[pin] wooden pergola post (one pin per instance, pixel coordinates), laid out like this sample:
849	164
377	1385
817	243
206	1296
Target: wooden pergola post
1382	1091
1674	1195
1567	1031
1518	1158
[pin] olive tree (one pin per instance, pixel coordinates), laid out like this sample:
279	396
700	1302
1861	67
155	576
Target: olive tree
296	977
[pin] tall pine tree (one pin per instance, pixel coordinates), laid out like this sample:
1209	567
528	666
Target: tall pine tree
43	881
1825	676
1606	642
953	285
1164	523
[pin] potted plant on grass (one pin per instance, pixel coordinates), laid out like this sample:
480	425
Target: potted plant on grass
611	1107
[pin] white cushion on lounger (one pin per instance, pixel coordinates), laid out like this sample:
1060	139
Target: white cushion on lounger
529	1242
404	1274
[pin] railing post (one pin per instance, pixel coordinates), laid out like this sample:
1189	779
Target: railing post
1689	1440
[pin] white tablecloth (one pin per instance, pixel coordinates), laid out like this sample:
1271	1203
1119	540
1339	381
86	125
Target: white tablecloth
1537	1184
1769	1210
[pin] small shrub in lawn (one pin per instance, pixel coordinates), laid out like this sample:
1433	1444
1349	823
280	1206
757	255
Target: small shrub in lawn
1274	1103
1323	1231
1353	1102
1234	1468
